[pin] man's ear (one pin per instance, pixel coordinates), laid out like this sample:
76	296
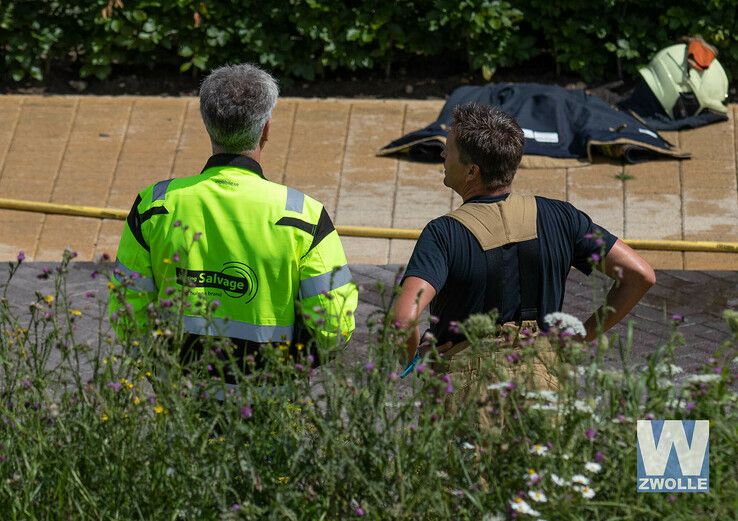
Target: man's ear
265	134
474	171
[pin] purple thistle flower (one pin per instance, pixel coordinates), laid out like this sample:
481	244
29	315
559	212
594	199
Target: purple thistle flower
177	223
689	406
590	434
115	386
446	378
393	376
21	256
449	388
175	257
676	317
420	368
359	511
94	274
45	272
89	294
246	412
114	317
369	367
299	367
25	383
105	257
595	257
74	254
169	290
599	456
47	316
235	507
215	304
166	303
453	326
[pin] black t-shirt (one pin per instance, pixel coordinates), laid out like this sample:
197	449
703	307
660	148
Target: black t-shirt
450	259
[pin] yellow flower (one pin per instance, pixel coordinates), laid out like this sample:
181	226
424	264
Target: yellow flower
158	409
104	417
135	343
136	400
299	347
148	374
49	299
167	261
283	479
111	285
75	312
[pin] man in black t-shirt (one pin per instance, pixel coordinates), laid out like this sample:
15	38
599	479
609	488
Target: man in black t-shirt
461	265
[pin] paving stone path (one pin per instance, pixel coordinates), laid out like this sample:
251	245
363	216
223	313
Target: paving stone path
100	151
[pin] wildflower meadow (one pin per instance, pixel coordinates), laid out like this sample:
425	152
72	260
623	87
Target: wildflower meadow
115	429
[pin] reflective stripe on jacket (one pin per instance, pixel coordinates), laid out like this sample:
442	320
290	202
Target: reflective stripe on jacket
231	236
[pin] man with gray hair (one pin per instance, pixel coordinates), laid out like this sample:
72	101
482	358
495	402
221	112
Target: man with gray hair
264	258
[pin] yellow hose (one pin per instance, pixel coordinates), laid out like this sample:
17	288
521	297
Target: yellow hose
355	231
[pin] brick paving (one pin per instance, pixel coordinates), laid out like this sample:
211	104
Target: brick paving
99	151
700	296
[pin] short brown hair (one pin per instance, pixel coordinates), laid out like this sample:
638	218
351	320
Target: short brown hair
490	139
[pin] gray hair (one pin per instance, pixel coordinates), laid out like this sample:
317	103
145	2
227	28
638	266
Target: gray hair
236	101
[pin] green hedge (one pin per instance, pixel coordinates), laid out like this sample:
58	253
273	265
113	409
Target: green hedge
305	38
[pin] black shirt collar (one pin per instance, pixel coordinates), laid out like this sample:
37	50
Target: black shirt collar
487	198
236	160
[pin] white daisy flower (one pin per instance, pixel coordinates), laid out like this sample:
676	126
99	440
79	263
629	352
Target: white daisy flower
442	474
538	449
561	482
593	467
542	407
522	506
548	396
566	323
468	446
493	517
582	406
587	492
702	378
532	476
498	386
578	478
538	496
735	360
566	456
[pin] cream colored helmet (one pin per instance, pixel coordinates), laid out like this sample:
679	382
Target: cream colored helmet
684	88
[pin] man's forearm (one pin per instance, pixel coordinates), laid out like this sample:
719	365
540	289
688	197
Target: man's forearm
621	298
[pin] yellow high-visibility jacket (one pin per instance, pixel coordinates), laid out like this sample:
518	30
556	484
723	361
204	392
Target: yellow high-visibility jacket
231	236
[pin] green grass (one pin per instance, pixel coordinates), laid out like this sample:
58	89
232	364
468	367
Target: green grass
143	439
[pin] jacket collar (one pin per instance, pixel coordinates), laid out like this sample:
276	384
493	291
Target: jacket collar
487	198
234	160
